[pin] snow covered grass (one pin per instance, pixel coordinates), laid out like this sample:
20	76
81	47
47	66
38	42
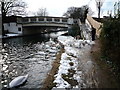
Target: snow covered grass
71	42
68	75
64	68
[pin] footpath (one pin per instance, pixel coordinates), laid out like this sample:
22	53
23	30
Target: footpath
102	74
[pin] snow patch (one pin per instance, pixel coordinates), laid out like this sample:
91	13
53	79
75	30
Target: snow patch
72	53
12	35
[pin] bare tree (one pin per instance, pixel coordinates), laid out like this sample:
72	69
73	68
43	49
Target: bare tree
77	13
99	4
13	7
70	11
41	12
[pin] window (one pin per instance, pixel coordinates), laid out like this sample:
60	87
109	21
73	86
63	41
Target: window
19	29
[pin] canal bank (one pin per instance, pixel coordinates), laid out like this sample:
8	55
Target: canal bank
68	74
73	65
50	76
90	71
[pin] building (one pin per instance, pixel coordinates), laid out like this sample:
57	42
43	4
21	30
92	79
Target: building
11	25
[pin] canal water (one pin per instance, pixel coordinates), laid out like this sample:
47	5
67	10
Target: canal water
32	55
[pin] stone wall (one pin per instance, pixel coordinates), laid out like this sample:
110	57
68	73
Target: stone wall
95	24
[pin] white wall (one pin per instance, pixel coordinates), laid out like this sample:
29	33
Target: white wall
6	26
13	27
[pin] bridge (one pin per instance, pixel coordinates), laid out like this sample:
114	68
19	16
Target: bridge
41	24
45	21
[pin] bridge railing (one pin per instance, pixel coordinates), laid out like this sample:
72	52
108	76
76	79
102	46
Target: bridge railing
45	20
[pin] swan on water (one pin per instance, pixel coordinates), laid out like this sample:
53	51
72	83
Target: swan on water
18	81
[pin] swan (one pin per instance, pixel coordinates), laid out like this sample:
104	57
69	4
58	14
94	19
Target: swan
18	81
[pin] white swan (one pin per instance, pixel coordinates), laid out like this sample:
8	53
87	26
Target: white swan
18	81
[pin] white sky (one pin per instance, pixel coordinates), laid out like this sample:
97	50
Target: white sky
58	7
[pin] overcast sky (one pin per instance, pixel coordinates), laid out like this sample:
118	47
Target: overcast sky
58	7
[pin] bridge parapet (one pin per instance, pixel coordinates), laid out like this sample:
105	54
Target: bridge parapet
45	20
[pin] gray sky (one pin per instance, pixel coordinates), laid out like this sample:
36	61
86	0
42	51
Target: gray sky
58	7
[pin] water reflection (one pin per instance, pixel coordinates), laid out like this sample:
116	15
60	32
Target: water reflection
26	40
31	55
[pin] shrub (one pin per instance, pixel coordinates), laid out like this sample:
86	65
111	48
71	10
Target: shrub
110	40
75	30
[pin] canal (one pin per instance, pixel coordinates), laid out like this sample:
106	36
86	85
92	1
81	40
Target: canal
32	55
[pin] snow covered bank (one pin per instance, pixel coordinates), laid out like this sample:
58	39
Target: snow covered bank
69	62
72	42
10	35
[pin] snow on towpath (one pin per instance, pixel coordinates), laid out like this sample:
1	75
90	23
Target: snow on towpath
70	73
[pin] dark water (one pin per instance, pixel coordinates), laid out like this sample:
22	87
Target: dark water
32	55
33	38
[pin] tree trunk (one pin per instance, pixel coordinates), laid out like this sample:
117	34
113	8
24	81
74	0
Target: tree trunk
3	17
